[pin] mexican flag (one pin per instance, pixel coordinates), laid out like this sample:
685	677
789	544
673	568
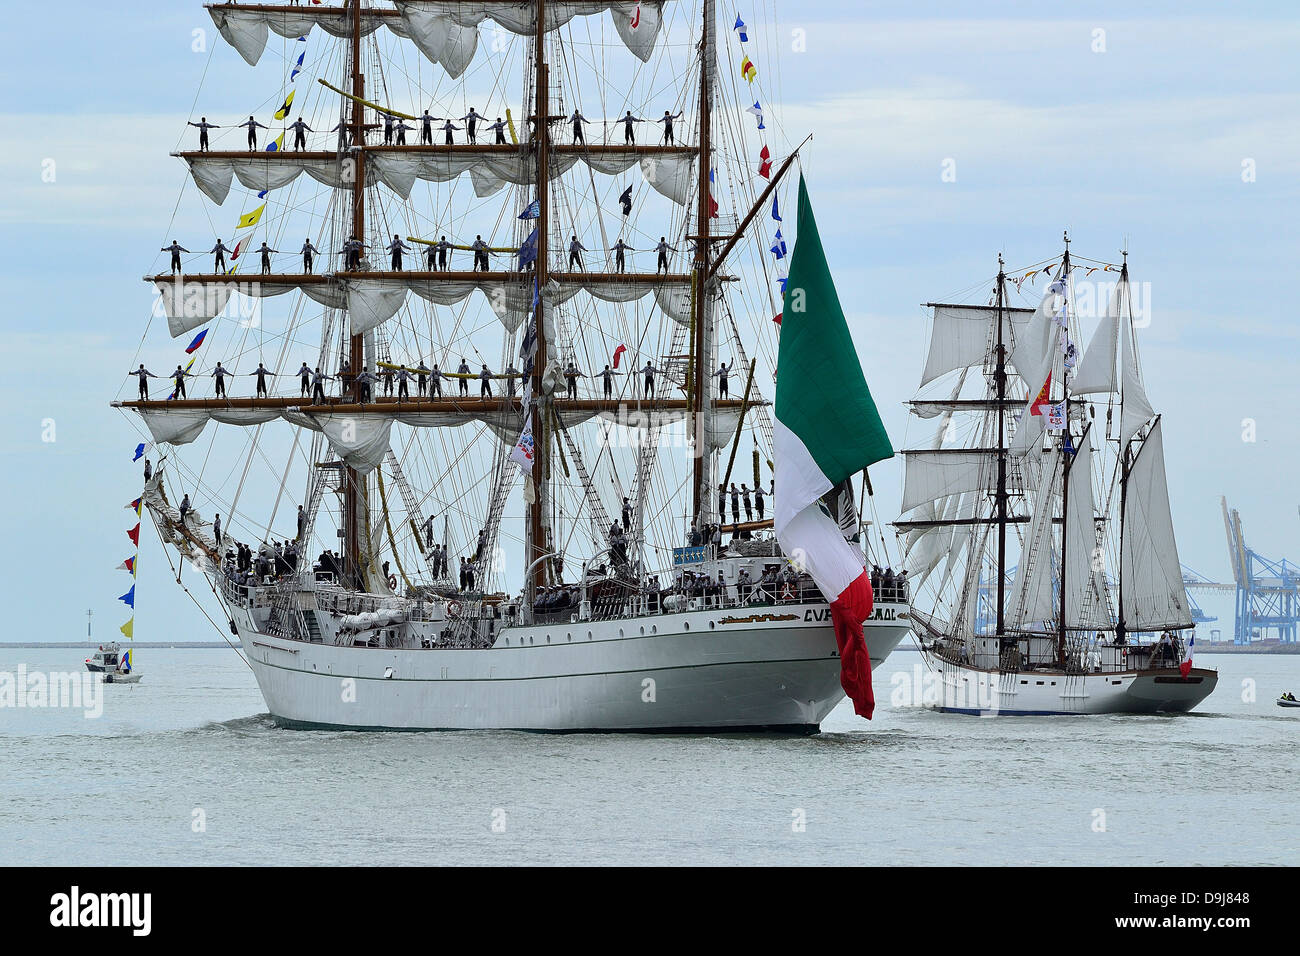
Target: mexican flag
827	429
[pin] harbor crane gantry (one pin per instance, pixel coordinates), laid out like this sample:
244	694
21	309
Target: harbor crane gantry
1268	591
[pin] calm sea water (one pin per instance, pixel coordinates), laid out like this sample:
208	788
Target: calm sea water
192	744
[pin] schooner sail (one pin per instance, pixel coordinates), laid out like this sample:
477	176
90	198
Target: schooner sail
1053	512
632	600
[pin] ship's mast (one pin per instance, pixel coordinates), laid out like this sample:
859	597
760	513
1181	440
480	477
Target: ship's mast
1000	382
701	377
353	495
542	127
1121	627
1065	463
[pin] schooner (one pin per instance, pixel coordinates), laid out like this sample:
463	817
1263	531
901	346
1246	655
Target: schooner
1037	527
642	606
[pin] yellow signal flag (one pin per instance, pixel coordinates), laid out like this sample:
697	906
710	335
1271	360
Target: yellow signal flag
250	219
748	70
128	629
283	111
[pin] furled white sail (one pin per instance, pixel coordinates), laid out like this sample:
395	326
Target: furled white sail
446	32
360	440
1085	583
932	474
1153	591
1095	373
189	303
261	171
962	335
1032	604
173	426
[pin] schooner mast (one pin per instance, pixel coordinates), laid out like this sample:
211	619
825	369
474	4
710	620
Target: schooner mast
354	497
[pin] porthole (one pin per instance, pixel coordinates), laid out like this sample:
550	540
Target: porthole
654	629
686	625
642	630
620	632
712	625
589	635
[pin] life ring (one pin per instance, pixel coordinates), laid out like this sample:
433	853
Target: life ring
453	609
392	582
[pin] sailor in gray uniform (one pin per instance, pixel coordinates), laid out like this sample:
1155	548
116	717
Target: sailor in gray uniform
220	373
402	130
649	373
428	533
663	249
266	258
607	377
261	374
447	128
470	120
308	250
426	129
444	248
219	256
575	250
499	128
485	383
403	389
143	374
175	249
178	377
759	500
480	249
629	136
721	375
304	380
252	126
511	373
619	248
577	119
667	120
395	248
300	131
203	126
464	372
363	383
318	379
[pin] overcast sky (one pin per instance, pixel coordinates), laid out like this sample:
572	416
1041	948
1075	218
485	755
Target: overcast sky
1169	127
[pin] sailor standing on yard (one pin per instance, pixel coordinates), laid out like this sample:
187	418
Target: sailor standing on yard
649	373
485	383
178	377
470	120
261	373
253	126
421	377
480	249
575	253
402	129
308	250
745	500
735	504
721	375
364	381
203	126
607	381
499	128
758	500
175	249
667	120
143	375
395	248
663	249
629	137
318	380
404	389
304	377
435	381
619	248
443	247
300	131
266	258
219	253
511	373
220	373
464	374
447	128
571	376
426	129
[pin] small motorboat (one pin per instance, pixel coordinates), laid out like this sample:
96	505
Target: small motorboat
113	664
1288	701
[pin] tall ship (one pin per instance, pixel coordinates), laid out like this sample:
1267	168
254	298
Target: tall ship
1037	526
497	497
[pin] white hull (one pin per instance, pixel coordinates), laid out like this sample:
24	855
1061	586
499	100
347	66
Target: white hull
986	693
759	667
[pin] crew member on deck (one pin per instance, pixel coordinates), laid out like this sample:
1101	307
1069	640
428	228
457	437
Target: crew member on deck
219	256
300	131
619	248
143	375
175	249
575	253
266	258
261	374
203	126
220	373
667	120
216	529
395	248
308	250
252	126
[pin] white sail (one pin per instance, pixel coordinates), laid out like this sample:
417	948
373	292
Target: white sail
1035	350
1031	603
931	475
1085	584
1153	591
1135	410
1096	371
961	335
